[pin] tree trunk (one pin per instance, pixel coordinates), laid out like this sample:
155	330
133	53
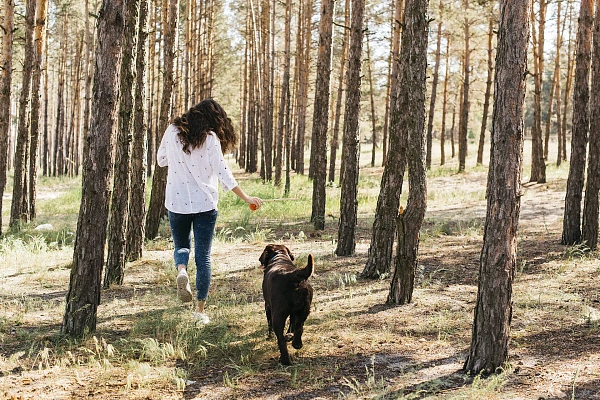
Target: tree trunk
488	87
19	211
161	24
187	29
303	85
444	106
555	87
395	56
45	141
150	148
349	192
5	97
549	116
58	148
285	95
242	149
38	42
137	200
372	98
71	148
411	100
538	166
159	180
318	159
382	236
557	84
493	311
581	122
568	84
340	94
83	296
436	75
119	205
453	128
266	110
89	48
589	229
464	115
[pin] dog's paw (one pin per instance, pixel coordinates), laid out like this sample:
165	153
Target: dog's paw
289	337
297	345
285	361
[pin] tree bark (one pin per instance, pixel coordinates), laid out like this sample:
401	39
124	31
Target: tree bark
19	210
453	128
303	85
285	96
58	148
436	75
46	169
444	106
242	149
538	166
411	100
557	84
159	180
572	216
45	138
119	205
493	311
38	43
488	87
349	192
549	116
372	98
83	296
71	151
589	229
318	159
266	110
137	200
338	106
393	96
568	84
464	114
382	236
5	93
150	147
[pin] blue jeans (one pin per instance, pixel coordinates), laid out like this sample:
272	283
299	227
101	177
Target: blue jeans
203	225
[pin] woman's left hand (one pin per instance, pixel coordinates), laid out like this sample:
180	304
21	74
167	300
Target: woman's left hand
254	202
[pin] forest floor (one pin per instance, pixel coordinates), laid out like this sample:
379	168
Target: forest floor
355	346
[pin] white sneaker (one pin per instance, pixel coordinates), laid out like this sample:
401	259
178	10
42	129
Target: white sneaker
201	317
183	287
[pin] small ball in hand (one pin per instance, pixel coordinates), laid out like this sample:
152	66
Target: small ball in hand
253	207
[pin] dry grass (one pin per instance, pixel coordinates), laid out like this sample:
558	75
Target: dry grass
147	346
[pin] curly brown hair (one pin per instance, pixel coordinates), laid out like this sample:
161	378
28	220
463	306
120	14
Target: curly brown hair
206	116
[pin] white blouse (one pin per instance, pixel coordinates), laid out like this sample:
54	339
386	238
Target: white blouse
192	179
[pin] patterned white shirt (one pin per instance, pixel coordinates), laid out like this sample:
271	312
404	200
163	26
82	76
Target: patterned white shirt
192	179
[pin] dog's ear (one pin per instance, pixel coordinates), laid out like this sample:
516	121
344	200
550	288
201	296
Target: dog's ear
288	251
266	255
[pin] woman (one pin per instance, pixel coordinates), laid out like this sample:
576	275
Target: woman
193	147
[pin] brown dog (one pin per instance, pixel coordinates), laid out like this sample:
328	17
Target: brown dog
287	293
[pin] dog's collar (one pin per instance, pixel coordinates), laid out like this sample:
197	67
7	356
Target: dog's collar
276	253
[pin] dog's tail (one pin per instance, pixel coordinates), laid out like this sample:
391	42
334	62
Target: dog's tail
304	273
